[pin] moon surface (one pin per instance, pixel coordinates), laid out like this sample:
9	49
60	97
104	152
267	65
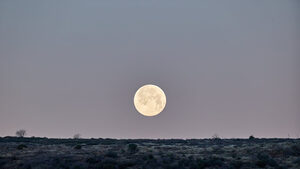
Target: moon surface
149	100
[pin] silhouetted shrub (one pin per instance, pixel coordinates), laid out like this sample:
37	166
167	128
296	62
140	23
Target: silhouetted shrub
77	147
21	133
216	138
132	148
251	137
21	146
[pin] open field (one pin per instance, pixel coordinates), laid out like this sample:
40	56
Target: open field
44	153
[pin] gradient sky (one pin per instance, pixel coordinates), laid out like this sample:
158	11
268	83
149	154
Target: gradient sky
227	67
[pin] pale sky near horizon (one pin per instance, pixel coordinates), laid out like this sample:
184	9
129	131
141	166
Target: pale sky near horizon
230	68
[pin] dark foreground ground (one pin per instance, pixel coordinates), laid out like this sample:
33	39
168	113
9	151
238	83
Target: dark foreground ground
43	153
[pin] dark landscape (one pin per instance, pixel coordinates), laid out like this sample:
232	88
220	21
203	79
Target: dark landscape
44	153
149	84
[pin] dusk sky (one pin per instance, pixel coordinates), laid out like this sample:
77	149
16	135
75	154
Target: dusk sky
230	68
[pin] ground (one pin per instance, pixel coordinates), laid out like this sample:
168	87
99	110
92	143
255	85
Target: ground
44	153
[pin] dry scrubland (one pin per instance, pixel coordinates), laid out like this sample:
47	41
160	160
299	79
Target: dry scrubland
46	153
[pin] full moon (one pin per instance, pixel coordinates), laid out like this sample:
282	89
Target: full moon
149	100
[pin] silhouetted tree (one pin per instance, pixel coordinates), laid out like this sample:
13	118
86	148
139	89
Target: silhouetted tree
21	133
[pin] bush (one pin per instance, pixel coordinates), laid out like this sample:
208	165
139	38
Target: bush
21	146
251	137
132	148
21	133
77	147
216	137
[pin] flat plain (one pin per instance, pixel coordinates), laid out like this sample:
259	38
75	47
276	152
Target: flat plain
50	153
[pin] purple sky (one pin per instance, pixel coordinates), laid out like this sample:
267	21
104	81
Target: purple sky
227	67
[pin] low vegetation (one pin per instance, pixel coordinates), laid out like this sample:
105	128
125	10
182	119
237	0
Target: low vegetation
77	147
251	137
21	133
24	152
21	146
132	148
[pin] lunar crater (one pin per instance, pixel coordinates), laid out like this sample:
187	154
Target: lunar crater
149	100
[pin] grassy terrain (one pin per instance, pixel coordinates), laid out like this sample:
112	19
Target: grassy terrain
44	153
